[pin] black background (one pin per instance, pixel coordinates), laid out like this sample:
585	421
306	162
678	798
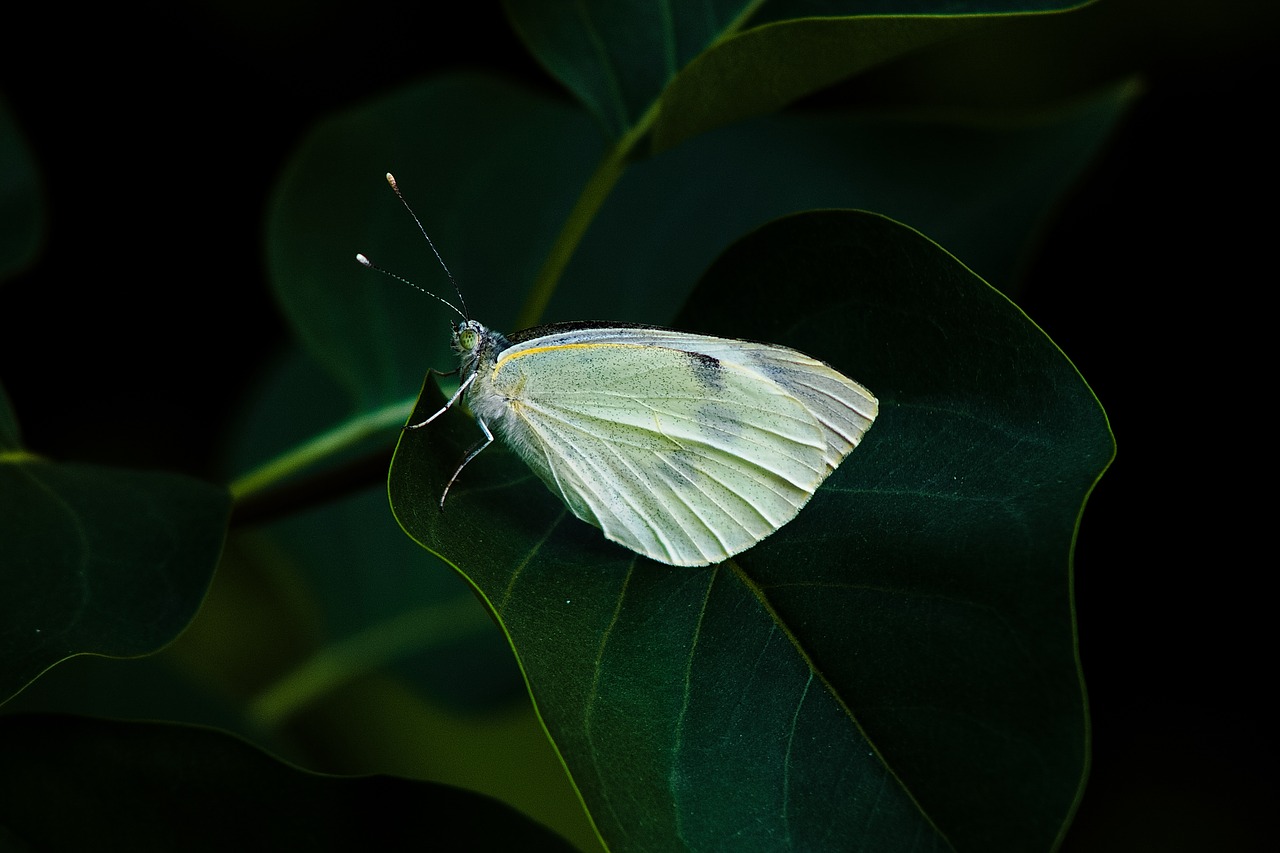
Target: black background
159	132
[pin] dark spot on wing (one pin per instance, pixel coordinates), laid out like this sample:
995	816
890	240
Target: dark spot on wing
706	368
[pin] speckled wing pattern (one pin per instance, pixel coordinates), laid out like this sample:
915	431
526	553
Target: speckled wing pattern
685	448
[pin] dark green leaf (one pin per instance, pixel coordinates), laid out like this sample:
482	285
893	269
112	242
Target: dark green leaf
376	600
618	57
666	221
96	560
373	647
75	784
894	669
711	63
492	207
981	189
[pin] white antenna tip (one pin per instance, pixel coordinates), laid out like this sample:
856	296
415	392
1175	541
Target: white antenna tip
391	179
362	259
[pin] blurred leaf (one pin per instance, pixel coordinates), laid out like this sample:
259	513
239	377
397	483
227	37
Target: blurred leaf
384	605
710	64
373	599
617	57
252	629
96	560
493	210
146	786
338	634
982	188
22	212
379	724
767	67
896	667
138	688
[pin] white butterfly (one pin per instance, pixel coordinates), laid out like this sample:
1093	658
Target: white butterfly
685	448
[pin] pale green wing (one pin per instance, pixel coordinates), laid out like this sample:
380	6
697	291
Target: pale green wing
682	455
845	408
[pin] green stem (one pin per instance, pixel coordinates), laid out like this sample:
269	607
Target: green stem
597	189
370	649
341	437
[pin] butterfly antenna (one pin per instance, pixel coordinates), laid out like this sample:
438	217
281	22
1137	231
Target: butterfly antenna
371	265
391	179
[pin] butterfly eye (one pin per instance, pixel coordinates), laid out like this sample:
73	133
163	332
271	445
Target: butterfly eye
466	339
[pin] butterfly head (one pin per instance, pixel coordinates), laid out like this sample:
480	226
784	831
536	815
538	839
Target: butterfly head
476	344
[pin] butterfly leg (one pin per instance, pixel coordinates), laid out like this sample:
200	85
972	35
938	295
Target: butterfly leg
472	454
447	406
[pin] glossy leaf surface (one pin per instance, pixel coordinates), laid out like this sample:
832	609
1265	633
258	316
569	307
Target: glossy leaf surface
897	666
707	64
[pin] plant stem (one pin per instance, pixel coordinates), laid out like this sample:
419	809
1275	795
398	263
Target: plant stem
597	189
362	652
345	435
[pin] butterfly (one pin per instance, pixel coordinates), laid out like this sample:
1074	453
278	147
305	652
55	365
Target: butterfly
685	448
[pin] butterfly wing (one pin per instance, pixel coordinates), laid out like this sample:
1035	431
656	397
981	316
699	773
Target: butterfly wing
685	448
844	408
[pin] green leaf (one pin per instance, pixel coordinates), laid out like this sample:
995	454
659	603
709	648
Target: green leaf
493	211
618	57
22	210
492	207
379	602
894	669
346	633
710	64
146	786
980	188
96	560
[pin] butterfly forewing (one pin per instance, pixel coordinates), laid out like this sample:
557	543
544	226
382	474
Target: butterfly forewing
685	448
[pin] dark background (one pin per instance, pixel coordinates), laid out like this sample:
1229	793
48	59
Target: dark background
159	132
